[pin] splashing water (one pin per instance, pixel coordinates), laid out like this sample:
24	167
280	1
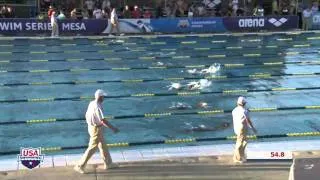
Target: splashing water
180	105
161	54
196	85
119	41
203	105
211	70
192	71
160	63
193	85
176	86
204	83
188	125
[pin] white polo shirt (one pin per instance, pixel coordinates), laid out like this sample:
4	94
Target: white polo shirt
307	13
53	19
240	116
97	13
114	17
235	5
94	114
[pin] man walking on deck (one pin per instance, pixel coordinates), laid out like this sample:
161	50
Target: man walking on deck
114	21
96	121
54	25
241	121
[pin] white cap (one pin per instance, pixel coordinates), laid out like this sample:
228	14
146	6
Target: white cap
99	93
241	100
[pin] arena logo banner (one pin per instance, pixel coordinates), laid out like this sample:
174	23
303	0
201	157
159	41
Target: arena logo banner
254	23
316	21
187	25
131	26
34	26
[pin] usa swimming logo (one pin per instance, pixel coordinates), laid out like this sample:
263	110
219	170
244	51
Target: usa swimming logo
30	157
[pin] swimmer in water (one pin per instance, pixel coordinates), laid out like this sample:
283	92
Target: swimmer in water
211	70
183	105
175	86
180	105
160	63
192	71
204	128
200	128
203	105
197	85
193	85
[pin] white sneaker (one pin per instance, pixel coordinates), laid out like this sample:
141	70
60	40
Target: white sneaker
238	162
110	166
78	169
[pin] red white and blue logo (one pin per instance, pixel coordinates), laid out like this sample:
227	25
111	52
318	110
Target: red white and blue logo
30	157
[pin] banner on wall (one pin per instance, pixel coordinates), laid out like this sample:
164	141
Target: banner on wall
316	21
255	23
34	26
187	25
131	26
162	25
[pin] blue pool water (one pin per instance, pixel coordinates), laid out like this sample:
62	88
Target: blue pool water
42	68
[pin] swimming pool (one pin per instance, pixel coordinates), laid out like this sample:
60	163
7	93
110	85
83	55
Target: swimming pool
46	85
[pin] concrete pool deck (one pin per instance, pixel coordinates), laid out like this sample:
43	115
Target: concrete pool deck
186	168
191	162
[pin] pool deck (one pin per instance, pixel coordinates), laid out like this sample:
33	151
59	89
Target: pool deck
188	162
186	168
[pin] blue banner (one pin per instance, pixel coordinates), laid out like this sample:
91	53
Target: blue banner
316	21
162	25
187	25
255	23
134	26
34	26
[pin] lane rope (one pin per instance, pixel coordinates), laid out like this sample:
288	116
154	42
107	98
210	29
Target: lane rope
101	39
234	65
215	77
141	95
176	57
139	49
162	114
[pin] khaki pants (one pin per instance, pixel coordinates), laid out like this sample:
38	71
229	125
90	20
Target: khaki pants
239	152
55	30
115	25
96	141
306	23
